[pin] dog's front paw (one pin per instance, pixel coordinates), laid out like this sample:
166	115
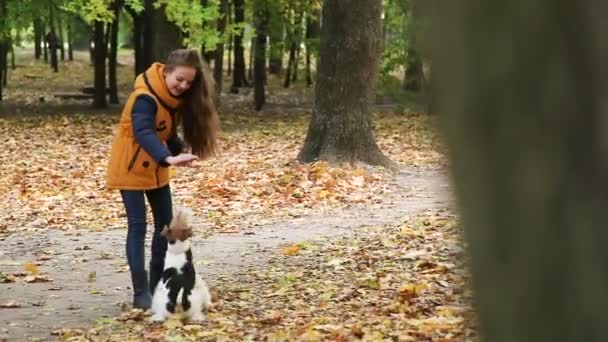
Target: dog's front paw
157	318
197	318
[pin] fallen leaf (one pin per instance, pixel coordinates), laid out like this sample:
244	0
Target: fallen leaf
11	304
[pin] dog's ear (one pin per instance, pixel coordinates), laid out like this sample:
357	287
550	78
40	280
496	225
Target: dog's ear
187	233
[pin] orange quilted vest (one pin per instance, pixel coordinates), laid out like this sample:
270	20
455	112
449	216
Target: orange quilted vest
130	166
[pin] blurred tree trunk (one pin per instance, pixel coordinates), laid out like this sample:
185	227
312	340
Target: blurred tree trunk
141	60
239	78
230	40
113	55
341	126
166	35
276	37
218	67
414	77
38	38
53	40
4	43
60	32
259	63
313	27
45	44
99	98
522	95
3	70
70	46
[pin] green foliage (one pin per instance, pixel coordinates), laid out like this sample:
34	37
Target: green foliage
399	27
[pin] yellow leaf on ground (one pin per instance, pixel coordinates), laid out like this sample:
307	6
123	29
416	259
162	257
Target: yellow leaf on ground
31	267
291	250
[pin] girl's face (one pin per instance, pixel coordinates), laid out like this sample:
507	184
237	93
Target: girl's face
180	79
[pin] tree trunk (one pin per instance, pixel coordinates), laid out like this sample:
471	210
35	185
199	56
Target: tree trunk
44	43
138	40
413	71
148	35
13	64
99	98
53	41
522	95
239	78
70	46
7	47
38	38
218	67
341	126
60	41
259	72
167	36
112	61
298	41
290	63
230	40
251	54
3	70
312	36
276	39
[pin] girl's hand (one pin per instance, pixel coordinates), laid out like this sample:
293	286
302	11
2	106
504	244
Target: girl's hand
182	159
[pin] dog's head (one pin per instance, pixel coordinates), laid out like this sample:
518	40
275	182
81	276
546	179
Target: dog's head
180	228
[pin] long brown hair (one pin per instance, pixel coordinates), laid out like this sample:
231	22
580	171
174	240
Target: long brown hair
198	113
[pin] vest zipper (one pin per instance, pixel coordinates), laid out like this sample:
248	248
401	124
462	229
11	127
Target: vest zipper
132	162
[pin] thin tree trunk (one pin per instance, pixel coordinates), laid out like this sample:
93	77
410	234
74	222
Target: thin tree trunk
60	41
296	63
3	70
239	78
70	46
138	40
218	70
230	40
99	99
341	126
413	71
13	64
290	63
251	54
312	36
277	45
38	38
259	73
52	41
112	61
298	33
45	44
7	47
148	34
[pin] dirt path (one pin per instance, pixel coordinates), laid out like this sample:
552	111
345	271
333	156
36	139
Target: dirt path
76	296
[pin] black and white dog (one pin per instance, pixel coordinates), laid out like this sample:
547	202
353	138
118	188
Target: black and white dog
179	284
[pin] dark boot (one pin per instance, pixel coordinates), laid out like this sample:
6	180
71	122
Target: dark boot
141	291
156	272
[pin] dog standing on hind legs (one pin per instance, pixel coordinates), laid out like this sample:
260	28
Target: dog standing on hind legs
179	284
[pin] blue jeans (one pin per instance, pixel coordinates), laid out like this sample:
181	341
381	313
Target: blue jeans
135	205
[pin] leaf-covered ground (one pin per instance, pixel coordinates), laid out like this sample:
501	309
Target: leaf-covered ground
55	172
402	282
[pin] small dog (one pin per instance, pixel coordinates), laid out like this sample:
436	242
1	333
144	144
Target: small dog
179	284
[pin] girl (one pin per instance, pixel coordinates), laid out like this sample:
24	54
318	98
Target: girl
146	144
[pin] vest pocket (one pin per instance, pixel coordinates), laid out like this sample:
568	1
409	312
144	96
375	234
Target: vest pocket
133	159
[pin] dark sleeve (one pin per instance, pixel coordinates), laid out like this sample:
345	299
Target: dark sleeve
143	120
175	144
